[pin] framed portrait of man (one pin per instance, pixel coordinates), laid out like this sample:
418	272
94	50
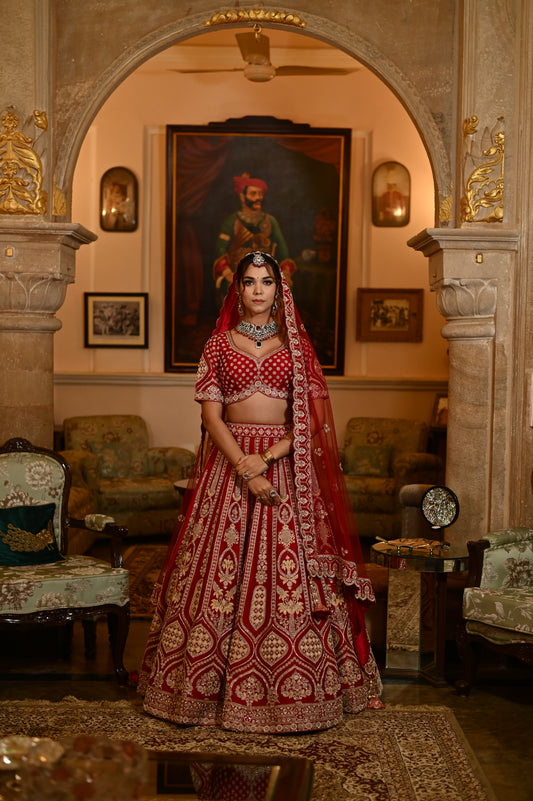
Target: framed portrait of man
255	183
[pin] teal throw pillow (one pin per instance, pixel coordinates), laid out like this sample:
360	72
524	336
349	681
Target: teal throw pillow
27	535
367	460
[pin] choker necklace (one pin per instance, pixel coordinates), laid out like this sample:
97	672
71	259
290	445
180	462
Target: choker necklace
257	333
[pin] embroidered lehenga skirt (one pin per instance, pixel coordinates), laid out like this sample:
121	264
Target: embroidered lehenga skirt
234	642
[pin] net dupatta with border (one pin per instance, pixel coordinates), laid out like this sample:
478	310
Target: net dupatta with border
332	552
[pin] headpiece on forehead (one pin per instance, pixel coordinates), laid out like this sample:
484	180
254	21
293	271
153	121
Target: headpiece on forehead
240	182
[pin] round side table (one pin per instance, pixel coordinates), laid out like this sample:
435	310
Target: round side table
416	605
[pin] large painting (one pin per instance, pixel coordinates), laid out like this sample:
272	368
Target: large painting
255	184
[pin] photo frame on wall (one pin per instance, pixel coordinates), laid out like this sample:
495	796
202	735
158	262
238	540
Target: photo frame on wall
116	320
299	214
389	315
439	416
391	195
118	200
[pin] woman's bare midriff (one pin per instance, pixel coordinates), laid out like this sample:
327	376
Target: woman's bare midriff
259	409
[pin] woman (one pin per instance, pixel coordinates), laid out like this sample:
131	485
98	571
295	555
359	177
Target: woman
259	624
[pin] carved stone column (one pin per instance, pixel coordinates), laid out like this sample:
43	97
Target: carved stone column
471	270
37	262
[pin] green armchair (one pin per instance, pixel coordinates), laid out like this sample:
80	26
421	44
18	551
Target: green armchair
381	455
497	600
128	480
40	582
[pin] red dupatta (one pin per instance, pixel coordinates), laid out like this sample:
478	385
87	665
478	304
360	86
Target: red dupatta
332	552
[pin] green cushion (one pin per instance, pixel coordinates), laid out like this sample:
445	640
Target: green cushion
27	535
368	460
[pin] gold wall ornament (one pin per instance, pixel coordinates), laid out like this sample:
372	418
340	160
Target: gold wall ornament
485	182
40	119
240	15
21	170
445	210
59	204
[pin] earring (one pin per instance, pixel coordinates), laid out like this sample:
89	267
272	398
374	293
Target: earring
275	304
240	308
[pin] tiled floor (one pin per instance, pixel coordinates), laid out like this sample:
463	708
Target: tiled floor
496	718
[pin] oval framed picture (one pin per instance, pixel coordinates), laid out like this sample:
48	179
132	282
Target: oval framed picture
118	200
391	195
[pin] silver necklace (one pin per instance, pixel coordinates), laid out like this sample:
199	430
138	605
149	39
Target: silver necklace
257	333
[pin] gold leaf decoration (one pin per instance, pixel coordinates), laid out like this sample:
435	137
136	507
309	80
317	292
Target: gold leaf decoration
484	185
445	210
240	15
59	204
21	170
40	119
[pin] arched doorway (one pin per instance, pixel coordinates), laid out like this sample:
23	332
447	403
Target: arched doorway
382	129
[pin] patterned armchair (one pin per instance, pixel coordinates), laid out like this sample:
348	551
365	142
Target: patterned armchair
129	480
498	600
39	583
380	455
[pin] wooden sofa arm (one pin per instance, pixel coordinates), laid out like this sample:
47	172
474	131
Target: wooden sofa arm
108	528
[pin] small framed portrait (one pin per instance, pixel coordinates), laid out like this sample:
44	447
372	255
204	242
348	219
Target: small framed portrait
389	315
391	195
439	418
118	200
118	320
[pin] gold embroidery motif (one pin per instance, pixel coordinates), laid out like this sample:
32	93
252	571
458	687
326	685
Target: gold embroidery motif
200	641
290	603
311	647
273	648
258	607
25	541
297	687
250	690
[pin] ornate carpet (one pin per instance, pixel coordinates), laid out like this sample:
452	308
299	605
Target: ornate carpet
144	563
396	754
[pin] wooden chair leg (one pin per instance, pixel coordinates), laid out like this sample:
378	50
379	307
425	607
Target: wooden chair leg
118	625
89	634
468	654
66	640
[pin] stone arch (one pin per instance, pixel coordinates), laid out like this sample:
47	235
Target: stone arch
316	27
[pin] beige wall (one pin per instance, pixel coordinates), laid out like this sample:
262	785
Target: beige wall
130	131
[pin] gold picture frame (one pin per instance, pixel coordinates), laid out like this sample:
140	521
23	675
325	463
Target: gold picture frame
391	195
116	319
389	315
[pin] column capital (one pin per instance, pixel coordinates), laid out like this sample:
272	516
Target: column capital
37	262
475	236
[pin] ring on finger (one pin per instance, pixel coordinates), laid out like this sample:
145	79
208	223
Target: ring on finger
272	493
246	476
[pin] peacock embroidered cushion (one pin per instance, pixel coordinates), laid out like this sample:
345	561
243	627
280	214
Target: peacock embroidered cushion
27	535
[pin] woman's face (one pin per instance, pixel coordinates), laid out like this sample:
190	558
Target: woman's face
258	290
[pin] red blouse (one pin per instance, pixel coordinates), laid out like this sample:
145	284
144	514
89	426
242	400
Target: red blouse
227	374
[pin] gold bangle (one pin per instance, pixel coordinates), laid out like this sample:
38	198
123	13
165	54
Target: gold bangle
268	457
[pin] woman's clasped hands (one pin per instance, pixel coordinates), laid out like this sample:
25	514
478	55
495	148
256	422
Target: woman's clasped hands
252	468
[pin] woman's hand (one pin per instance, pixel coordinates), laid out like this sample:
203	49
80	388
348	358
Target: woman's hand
251	466
264	491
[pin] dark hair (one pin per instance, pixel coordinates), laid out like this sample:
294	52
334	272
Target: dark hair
269	262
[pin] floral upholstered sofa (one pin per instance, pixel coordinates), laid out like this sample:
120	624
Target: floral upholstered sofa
379	456
498	599
129	480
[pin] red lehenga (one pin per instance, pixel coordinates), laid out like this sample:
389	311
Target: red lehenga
259	621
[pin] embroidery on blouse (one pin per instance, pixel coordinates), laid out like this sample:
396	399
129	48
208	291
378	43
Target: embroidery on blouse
227	374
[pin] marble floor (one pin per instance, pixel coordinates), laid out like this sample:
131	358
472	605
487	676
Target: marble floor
497	717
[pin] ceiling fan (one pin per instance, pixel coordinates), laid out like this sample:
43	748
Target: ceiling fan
255	51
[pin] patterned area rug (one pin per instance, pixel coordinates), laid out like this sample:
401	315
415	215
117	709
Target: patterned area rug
144	563
396	754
